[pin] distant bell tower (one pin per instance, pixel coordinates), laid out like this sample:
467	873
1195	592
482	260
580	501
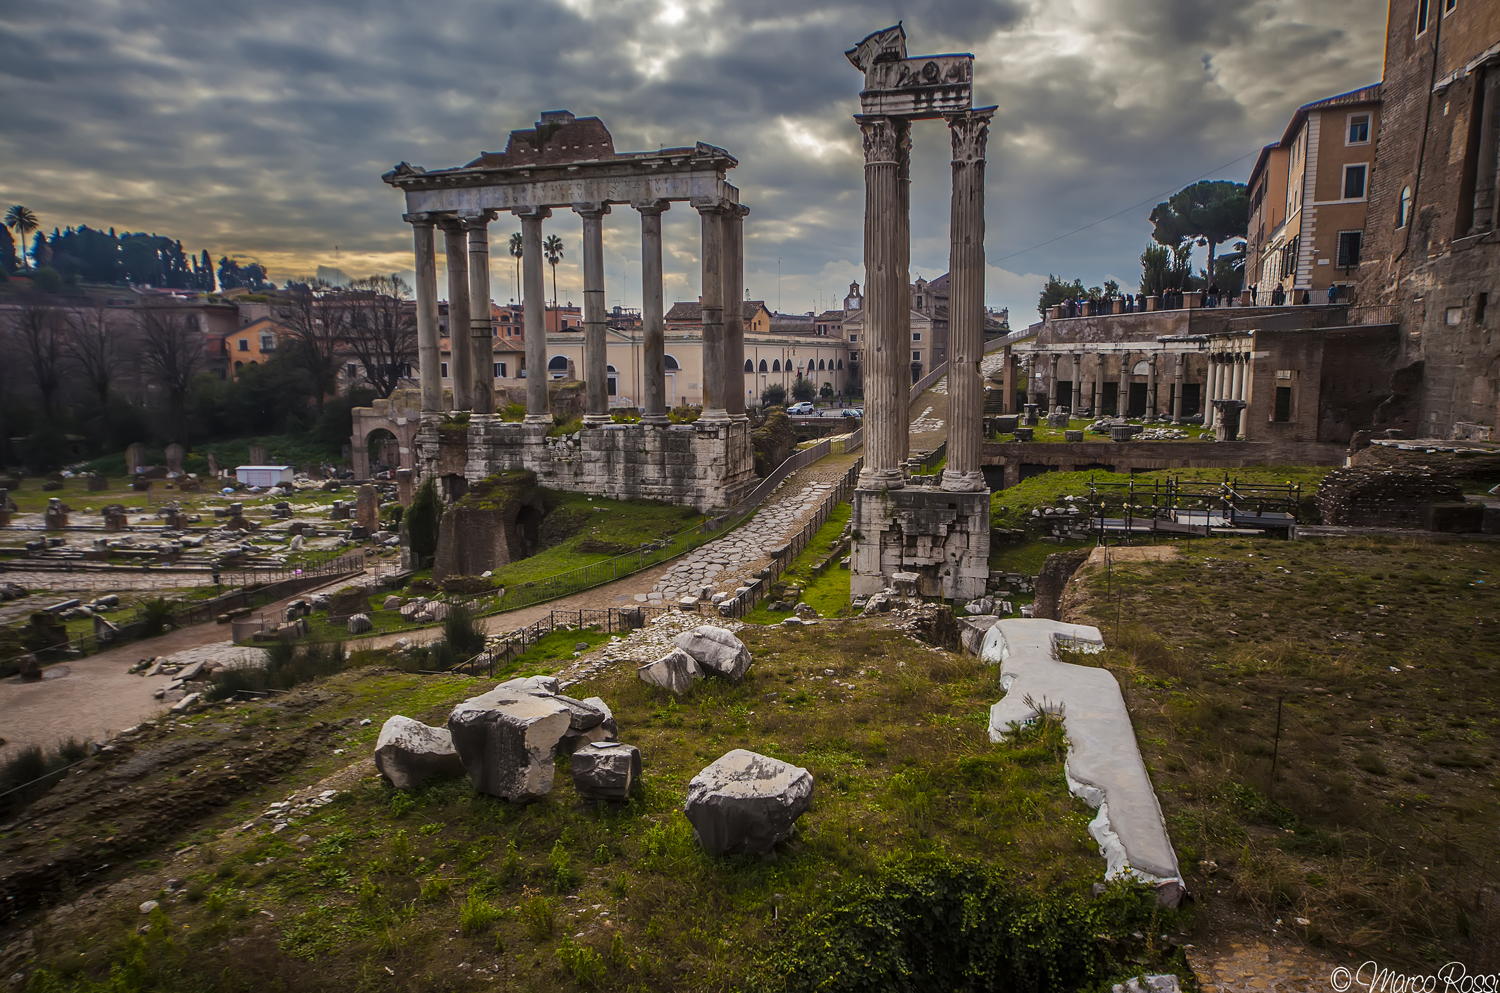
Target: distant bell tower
854	301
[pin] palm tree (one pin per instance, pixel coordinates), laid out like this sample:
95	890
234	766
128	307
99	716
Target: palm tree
515	253
552	249
22	221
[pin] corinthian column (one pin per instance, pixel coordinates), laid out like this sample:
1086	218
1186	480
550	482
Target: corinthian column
595	365
1177	374
480	340
887	352
966	304
712	212
534	309
458	309
734	311
654	377
429	355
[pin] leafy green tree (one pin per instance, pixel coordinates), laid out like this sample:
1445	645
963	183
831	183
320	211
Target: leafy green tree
1156	267
803	388
8	261
827	391
774	395
1211	212
22	221
1229	271
1056	291
552	251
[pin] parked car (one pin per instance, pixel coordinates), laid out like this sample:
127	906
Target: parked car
853	412
805	408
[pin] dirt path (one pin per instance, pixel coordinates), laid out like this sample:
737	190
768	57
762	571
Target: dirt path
94	696
929	418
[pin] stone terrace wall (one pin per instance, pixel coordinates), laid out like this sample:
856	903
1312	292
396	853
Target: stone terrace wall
1147	327
1010	462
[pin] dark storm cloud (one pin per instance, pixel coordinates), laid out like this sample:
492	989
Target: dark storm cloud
261	129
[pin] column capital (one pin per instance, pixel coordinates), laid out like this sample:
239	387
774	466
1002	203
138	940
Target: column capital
421	218
884	138
532	213
970	132
478	219
588	209
711	205
656	207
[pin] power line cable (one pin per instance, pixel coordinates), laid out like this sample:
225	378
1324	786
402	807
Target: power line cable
1127	209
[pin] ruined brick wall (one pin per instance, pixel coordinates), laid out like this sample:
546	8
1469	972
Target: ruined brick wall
1376	496
495	523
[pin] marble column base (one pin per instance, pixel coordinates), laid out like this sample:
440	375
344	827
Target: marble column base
655	420
881	479
597	420
963	482
538	419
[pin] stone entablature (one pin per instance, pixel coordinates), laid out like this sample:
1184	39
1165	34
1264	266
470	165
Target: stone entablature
706	466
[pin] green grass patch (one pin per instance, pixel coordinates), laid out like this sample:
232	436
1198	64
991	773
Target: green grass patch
827	592
1027	557
556	647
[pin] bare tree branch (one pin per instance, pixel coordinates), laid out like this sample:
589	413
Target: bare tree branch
41	332
383	330
92	345
171	351
317	322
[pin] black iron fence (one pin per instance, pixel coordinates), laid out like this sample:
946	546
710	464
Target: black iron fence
515	644
1191	508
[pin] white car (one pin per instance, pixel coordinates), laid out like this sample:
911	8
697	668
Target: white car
805	407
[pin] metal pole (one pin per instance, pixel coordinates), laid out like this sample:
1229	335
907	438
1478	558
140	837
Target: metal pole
1276	745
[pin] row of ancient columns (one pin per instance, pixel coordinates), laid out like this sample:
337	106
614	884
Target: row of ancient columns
1154	362
467	245
1228	379
887	250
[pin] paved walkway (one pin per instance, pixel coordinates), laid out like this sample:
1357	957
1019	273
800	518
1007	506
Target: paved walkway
929	418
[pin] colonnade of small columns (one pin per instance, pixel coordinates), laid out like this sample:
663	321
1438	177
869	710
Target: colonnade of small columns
1165	370
466	244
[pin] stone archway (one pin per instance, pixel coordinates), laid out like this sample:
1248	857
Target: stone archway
399	416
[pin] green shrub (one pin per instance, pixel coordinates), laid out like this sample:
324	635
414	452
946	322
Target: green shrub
30	772
287	665
538	916
421	521
463	632
586	965
477	914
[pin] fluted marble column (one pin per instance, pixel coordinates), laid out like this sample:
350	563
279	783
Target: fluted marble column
1151	381
901	243
595	363
966	304
429	354
1122	396
653	332
481	337
457	256
734	311
712	213
534	308
1077	359
887	353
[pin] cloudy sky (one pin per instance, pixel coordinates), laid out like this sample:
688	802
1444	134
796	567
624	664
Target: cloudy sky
260	130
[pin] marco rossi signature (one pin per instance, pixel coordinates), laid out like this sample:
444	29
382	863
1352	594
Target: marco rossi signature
1451	978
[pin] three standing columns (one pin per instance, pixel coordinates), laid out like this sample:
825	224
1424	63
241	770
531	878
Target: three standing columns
965	304
595	365
533	290
429	354
887	369
653	328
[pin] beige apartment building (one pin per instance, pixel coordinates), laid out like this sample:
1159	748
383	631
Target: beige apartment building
1308	195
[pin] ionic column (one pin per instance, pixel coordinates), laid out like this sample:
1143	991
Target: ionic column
534	310
1052	381
654	377
429	354
887	352
1122	398
712	213
1097	392
481	327
595	363
965	305
456	244
734	315
1238	372
1245	370
1077	359
1177	375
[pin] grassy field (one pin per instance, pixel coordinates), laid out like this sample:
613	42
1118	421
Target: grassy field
827	593
596	529
444	889
1012	507
1379	659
